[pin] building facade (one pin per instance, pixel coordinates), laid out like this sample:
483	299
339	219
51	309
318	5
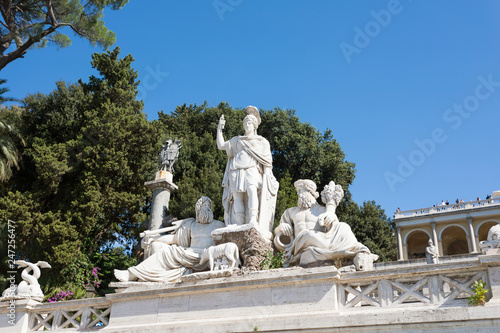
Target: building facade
454	229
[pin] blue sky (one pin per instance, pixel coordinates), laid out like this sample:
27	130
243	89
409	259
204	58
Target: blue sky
410	89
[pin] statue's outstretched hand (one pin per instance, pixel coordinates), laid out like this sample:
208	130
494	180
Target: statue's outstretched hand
222	123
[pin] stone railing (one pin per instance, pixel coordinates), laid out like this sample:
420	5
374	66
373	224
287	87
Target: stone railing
448	208
77	314
322	297
407	284
29	316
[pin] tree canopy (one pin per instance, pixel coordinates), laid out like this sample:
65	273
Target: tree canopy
33	23
89	151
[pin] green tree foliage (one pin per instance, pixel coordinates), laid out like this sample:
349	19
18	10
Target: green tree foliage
372	228
36	23
89	151
10	139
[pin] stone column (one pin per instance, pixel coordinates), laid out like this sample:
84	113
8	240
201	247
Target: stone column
440	247
405	251
162	187
400	244
472	236
434	236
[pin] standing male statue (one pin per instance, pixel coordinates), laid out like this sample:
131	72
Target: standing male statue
250	189
431	252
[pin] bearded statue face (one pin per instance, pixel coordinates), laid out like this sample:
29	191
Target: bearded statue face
204	212
306	200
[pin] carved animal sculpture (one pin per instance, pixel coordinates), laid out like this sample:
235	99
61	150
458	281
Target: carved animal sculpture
364	261
29	287
227	250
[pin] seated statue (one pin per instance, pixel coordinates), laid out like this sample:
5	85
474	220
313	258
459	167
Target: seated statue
183	250
314	231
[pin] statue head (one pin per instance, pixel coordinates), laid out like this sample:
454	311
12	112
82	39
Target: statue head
494	232
306	190
203	209
252	115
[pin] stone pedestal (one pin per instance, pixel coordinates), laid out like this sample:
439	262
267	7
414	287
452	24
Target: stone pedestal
252	245
162	187
15	315
493	263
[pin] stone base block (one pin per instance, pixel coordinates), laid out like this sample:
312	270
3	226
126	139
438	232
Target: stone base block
251	244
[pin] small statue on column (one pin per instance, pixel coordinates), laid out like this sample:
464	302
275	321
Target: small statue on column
169	154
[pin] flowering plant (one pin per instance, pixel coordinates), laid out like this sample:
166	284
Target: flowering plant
62	295
82	273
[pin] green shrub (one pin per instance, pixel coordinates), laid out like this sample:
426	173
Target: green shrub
479	297
272	261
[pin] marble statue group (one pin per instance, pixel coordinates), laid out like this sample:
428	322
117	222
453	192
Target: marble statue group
308	234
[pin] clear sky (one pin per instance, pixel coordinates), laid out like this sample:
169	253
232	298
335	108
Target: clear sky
410	89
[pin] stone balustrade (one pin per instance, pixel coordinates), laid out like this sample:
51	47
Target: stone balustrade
411	283
82	315
448	208
393	297
79	314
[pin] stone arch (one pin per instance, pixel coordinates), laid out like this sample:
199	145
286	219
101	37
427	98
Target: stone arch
483	228
416	242
454	240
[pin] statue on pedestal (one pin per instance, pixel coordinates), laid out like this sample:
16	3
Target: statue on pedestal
180	252
314	233
432	253
250	189
169	154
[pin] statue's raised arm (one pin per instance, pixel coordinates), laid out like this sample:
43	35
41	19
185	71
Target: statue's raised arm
250	188
220	137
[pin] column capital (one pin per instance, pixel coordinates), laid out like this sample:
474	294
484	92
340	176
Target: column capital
161	184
